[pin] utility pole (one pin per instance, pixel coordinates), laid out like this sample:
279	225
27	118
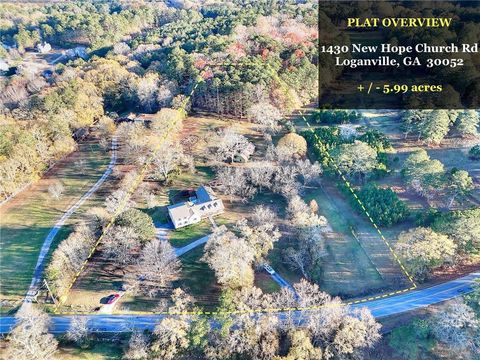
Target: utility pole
49	291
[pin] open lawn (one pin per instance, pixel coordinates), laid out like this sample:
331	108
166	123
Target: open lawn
347	270
265	282
358	262
26	220
199	280
186	235
97	350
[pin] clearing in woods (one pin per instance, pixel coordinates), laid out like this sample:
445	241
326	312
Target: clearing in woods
26	219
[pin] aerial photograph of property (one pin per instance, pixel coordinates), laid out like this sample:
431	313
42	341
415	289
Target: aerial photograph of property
239	179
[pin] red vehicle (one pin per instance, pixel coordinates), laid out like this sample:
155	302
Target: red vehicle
112	298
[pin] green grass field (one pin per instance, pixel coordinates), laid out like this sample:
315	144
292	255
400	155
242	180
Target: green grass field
186	235
347	270
27	219
199	279
97	350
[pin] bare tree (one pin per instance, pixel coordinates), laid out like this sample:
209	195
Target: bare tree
157	267
298	259
119	243
138	347
261	175
147	92
171	338
251	338
228	144
309	228
151	200
340	331
166	93
261	233
171	334
232	181
30	340
263	215
264	113
137	142
285	180
230	257
78	331
301	347
118	201
121	48
170	158
69	257
310	173
333	329
262	335
356	160
457	327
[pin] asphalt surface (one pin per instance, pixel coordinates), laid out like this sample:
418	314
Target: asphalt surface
420	298
191	246
380	308
281	281
40	266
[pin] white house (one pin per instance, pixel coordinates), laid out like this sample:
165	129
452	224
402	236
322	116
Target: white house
244	155
3	65
44	47
204	204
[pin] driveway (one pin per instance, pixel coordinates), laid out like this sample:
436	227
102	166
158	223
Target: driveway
40	266
191	246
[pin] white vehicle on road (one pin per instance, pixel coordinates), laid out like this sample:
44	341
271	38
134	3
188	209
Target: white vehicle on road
268	269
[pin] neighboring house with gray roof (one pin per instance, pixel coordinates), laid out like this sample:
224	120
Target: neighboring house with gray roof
204	204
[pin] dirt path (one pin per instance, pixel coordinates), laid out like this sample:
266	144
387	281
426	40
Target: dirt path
40	266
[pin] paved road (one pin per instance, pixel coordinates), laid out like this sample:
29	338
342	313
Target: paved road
40	266
420	298
191	246
163	234
379	308
281	281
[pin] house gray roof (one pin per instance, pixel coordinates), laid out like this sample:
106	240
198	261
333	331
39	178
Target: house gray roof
181	210
205	194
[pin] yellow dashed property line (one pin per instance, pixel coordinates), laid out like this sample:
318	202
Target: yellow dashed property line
261	310
330	160
124	201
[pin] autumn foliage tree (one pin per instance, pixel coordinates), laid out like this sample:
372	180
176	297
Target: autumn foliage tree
423	250
293	144
230	257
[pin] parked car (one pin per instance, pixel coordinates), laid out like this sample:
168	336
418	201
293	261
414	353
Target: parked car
111	299
269	269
